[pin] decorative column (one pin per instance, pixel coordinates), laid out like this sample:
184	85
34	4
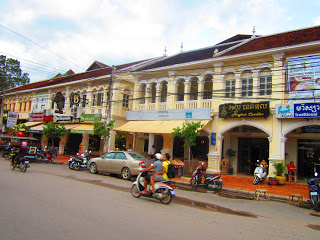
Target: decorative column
167	144
67	102
214	155
85	140
200	91
186	94
151	142
256	84
171	89
158	96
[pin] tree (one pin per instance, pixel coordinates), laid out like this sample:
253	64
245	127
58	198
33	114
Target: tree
14	129
103	131
54	131
10	76
189	132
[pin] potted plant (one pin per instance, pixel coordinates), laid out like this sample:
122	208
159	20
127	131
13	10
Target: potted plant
280	168
230	154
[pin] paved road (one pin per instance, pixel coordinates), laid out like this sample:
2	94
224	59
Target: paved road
53	202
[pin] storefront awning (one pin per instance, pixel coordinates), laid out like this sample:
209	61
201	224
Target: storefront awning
83	128
36	129
71	126
29	124
161	127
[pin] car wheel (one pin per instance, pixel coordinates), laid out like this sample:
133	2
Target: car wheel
93	168
126	173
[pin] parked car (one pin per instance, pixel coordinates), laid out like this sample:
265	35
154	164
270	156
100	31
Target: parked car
127	164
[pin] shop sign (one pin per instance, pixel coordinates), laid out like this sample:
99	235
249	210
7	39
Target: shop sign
298	110
36	117
244	110
213	138
90	117
12	119
57	118
47	119
312	129
171	114
75	98
303	77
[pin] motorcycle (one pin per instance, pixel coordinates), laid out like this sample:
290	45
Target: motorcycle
211	182
260	173
164	191
314	190
22	164
79	162
44	156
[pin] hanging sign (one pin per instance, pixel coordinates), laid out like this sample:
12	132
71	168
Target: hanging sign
244	110
75	98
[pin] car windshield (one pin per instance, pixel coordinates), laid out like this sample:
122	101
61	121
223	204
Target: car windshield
138	156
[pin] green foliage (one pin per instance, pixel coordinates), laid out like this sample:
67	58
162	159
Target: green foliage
11	74
280	168
231	153
101	129
121	141
54	131
14	129
189	132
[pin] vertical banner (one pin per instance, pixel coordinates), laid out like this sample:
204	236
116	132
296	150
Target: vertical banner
213	138
12	119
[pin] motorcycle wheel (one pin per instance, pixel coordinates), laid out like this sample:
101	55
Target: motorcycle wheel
7	156
193	182
93	168
219	185
53	160
23	167
315	203
256	180
168	197
11	165
126	174
71	166
135	191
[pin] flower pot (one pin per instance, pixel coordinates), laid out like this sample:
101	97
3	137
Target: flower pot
281	179
272	181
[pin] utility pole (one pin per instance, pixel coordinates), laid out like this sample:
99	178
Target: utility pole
109	117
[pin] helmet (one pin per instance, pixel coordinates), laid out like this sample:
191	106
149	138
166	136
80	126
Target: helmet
159	156
24	144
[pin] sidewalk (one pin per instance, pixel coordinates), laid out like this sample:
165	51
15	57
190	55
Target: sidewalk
244	184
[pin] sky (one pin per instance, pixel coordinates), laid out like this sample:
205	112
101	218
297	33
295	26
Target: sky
50	37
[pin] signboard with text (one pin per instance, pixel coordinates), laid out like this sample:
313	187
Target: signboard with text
12	119
244	110
297	110
90	117
171	114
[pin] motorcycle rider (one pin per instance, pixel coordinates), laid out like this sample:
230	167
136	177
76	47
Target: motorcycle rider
200	172
161	176
157	166
21	153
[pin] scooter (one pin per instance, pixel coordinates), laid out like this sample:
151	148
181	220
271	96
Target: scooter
211	182
164	191
79	162
22	164
259	173
314	190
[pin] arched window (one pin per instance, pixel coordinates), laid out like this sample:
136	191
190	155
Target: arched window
164	92
246	84
153	92
194	89
142	95
265	82
208	84
180	90
230	85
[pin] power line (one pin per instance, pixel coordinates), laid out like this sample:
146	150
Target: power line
40	46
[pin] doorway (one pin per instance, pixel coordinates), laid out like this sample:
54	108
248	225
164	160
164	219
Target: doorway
308	155
249	151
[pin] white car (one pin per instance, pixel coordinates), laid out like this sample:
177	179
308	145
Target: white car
127	164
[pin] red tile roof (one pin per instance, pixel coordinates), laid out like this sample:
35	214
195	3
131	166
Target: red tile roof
278	40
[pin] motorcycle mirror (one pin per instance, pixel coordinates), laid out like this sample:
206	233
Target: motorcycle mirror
316	174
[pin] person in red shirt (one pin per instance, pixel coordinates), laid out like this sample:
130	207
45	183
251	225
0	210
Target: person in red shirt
291	167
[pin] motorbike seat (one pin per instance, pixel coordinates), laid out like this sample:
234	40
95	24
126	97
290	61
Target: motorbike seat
212	175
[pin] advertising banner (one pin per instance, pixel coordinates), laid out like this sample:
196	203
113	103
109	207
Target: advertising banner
90	117
303	77
244	110
36	117
12	119
171	114
298	110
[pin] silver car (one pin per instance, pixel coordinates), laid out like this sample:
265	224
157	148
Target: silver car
127	164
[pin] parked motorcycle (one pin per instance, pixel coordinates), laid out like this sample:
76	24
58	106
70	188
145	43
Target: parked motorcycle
79	162
164	191
22	164
260	173
211	182
314	189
